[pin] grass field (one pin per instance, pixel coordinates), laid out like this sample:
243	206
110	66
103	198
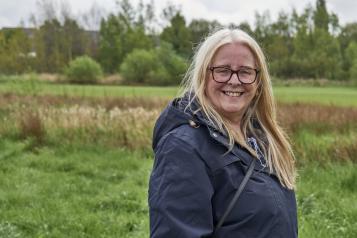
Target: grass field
75	161
70	191
340	96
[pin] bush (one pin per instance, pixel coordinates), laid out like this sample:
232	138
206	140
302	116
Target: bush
138	67
353	71
174	65
159	66
83	70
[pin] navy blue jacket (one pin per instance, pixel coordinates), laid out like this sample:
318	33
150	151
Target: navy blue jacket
194	179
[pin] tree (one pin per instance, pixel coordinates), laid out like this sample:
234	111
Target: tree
120	34
75	40
15	48
351	56
56	44
48	40
262	31
347	35
246	27
279	48
58	36
178	35
321	16
325	59
200	28
111	43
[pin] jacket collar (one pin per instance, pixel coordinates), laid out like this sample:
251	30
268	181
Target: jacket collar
187	110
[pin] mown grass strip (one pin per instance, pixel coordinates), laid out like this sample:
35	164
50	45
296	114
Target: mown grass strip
339	96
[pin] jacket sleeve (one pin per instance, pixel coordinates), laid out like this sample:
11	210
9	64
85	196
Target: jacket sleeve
180	192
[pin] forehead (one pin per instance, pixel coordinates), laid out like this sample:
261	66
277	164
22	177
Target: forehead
234	54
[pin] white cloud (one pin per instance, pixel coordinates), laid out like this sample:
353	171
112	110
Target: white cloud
225	11
345	10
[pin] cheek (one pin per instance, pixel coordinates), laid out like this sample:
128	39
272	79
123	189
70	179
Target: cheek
212	91
253	89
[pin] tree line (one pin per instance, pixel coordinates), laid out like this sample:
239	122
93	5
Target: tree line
132	42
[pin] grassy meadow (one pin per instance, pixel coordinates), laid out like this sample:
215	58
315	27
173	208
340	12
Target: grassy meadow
75	160
327	95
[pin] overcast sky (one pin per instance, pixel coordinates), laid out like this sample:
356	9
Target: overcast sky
225	11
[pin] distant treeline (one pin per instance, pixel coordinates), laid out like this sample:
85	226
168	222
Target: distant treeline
308	45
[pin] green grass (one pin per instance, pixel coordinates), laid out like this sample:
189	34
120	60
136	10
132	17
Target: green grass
78	185
340	96
37	88
327	198
71	191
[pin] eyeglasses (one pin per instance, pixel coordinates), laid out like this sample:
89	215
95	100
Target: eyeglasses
222	74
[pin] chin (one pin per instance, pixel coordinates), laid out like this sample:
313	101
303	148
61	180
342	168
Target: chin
232	110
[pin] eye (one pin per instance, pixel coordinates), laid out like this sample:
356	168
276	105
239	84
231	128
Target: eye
222	70
246	71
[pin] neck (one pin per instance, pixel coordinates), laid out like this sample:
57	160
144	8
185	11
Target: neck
235	125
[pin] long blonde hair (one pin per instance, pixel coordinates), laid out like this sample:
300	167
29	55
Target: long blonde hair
273	141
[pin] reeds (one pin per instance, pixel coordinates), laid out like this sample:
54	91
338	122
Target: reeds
316	131
319	118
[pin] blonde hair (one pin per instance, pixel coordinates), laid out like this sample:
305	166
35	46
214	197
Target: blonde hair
273	141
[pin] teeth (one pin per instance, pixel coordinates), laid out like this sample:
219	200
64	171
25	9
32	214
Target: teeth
233	94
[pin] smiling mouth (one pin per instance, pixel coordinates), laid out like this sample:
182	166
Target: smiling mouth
232	94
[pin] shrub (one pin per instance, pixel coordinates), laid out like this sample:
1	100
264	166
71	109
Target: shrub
139	66
159	66
174	65
83	70
353	71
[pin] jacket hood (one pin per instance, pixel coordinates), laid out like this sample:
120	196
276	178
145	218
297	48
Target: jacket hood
174	115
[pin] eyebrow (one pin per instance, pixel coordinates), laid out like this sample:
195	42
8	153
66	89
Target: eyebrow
228	66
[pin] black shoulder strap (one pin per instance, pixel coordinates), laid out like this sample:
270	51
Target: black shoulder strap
235	198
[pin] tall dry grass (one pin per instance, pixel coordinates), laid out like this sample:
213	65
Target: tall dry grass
130	128
317	132
148	103
320	118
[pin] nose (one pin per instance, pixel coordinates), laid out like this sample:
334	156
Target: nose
234	80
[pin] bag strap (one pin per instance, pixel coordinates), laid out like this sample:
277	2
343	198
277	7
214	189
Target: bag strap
235	198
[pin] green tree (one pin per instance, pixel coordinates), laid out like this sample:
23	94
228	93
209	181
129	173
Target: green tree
199	28
279	48
347	35
351	56
321	16
246	27
75	40
178	35
57	44
49	49
325	59
121	33
111	43
15	48
316	51
173	66
262	31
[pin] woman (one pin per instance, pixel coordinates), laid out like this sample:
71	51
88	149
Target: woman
205	141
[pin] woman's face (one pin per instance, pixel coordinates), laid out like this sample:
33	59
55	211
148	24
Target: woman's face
232	98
